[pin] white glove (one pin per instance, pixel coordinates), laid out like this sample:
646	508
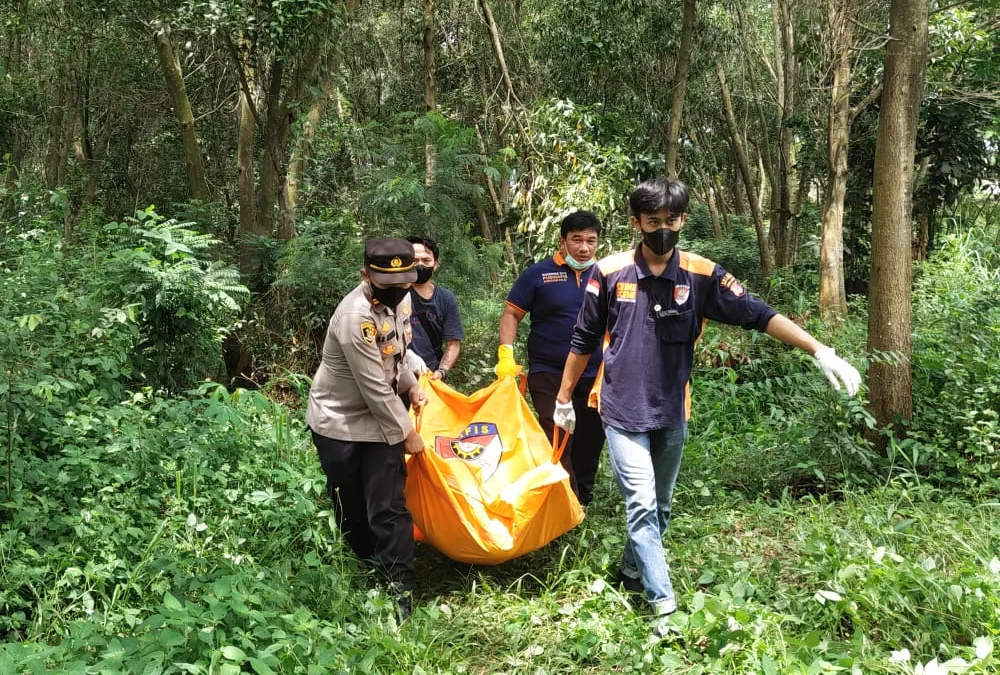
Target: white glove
837	369
564	416
415	364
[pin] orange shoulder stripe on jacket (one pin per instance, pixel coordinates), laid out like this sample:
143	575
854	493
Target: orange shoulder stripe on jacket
692	262
616	261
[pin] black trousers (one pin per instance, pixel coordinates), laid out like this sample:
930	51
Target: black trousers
365	482
583	450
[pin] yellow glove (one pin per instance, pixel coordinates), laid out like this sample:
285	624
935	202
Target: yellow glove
505	362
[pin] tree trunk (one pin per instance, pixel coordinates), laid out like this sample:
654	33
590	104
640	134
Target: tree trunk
708	186
245	163
174	78
303	145
430	96
508	244
498	49
727	227
889	310
832	293
783	220
12	63
60	128
95	154
744	167
275	140
485	231
680	89
738	189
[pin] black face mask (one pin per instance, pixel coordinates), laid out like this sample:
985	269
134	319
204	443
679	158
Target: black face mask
424	273
391	296
661	241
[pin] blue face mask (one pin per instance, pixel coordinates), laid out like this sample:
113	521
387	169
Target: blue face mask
578	266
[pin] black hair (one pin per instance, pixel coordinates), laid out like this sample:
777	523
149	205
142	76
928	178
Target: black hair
579	221
426	242
655	194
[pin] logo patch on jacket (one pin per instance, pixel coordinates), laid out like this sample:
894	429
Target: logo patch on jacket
368	332
478	444
730	282
681	294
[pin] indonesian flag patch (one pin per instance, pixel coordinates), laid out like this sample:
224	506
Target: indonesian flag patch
478	444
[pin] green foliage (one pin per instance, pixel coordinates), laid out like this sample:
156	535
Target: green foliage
737	251
955	435
960	108
764	418
320	266
573	162
148	533
399	202
61	341
185	303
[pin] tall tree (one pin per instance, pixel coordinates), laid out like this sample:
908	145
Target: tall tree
840	116
784	228
174	77
743	163
430	94
832	294
889	310
681	73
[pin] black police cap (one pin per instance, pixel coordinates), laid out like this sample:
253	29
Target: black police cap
390	260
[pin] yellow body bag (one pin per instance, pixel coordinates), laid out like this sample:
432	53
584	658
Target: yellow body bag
488	486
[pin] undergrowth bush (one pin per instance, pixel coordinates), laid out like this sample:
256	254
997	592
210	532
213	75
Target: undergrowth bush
185	301
955	434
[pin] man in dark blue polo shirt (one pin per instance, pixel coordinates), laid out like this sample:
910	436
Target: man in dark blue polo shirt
647	307
552	291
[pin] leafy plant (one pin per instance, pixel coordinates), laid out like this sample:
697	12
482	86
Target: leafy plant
186	302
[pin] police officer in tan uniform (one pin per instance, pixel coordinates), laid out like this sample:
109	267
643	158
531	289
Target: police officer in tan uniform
358	415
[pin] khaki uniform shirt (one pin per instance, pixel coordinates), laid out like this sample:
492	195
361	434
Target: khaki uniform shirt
354	392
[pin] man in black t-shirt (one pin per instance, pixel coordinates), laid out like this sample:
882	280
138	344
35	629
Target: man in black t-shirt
437	325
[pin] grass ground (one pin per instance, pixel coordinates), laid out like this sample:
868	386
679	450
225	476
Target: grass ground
198	540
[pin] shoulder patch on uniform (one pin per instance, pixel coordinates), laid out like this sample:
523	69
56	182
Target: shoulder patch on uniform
693	262
368	332
730	282
617	261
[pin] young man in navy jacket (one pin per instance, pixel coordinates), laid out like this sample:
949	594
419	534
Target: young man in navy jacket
644	309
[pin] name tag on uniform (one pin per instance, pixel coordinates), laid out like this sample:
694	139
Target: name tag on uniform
554	277
625	291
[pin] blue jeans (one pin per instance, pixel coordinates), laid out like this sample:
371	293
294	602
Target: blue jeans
645	467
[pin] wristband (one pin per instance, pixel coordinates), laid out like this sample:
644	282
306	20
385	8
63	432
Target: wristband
444	373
